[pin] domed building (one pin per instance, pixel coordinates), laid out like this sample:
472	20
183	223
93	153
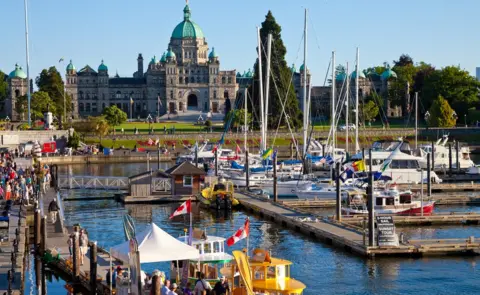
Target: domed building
186	79
17	87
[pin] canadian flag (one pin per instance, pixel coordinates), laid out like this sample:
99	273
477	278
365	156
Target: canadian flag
241	234
215	148
238	150
183	209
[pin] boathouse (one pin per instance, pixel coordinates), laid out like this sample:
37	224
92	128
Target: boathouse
149	183
185	179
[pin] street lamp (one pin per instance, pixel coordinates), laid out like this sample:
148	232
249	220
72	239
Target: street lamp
465	116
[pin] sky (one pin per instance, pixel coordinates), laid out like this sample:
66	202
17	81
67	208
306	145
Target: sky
439	32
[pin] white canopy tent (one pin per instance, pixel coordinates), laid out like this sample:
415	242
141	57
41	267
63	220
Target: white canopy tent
156	245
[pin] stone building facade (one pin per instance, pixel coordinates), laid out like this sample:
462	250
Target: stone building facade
187	78
17	87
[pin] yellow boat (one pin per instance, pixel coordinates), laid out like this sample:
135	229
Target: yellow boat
263	274
218	196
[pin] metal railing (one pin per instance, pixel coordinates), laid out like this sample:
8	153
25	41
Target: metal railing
93	182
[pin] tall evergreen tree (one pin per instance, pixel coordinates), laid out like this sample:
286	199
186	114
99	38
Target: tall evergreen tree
50	81
281	82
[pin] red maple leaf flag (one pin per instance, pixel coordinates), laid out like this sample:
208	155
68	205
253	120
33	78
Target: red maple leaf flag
238	150
241	234
185	208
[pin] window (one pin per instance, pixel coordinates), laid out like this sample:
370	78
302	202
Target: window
207	248
193	80
17	93
271	272
87	108
216	247
80	106
103	96
171	94
229	80
119	95
223	80
379	201
180	80
186	80
214	80
81	94
214	94
390	201
225	94
187	180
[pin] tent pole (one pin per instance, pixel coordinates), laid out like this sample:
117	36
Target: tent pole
178	276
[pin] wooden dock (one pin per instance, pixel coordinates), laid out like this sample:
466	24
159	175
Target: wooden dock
435	219
351	238
443	187
56	241
154	199
12	257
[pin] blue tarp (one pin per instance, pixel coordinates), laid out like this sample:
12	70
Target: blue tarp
291	162
106	151
235	165
261	169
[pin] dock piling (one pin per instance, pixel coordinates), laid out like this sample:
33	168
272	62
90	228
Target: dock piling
93	268
450	159
429	178
43	234
371	205
36	226
457	151
76	257
433	155
216	162
275	192
338	205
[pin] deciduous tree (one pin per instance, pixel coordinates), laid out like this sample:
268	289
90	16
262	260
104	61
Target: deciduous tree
441	114
114	116
50	81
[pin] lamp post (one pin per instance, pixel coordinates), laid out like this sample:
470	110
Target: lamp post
465	116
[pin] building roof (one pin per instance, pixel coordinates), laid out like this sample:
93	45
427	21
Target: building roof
353	75
213	54
185	168
187	28
388	73
102	67
71	67
17	73
164	57
154	60
126	81
87	70
170	53
158	173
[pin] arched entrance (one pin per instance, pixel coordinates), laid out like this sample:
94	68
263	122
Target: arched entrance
192	102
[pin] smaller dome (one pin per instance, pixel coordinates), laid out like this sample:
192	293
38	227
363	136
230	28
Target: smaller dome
340	76
213	54
239	75
164	57
102	67
170	53
70	66
302	67
153	60
17	73
249	74
293	68
353	75
388	73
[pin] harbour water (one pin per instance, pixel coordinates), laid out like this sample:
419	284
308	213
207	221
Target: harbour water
325	270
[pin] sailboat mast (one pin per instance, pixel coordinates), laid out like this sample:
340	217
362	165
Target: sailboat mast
260	91
245	124
333	105
267	86
416	120
305	77
29	91
347	109
357	146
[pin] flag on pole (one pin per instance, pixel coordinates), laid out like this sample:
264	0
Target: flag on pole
358	166
241	234
329	160
131	100
61	59
274	156
215	148
267	153
238	150
159	101
185	208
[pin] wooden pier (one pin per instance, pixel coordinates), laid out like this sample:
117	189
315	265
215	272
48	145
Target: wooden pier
435	219
349	237
55	242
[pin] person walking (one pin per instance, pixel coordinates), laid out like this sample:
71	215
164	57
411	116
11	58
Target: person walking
70	244
202	286
53	210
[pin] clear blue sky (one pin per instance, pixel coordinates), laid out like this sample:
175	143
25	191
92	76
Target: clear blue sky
436	31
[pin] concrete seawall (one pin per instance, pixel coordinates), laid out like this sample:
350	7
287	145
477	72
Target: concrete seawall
100	159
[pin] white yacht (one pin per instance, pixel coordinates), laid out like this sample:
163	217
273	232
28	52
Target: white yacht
442	155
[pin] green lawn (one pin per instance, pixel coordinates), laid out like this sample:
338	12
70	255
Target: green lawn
181	127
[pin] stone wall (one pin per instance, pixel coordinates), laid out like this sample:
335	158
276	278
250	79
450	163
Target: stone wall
18	137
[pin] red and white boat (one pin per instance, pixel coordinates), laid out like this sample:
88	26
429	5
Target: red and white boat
389	201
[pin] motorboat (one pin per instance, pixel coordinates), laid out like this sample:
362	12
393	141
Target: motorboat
218	196
389	201
211	261
264	274
442	155
206	154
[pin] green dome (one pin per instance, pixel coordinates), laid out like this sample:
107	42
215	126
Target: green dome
249	74
388	73
340	76
353	75
154	60
70	66
213	54
239	75
187	28
170	53
18	73
293	68
164	57
302	67
102	67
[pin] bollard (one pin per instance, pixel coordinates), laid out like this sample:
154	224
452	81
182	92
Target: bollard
36	233
43	235
76	258
93	268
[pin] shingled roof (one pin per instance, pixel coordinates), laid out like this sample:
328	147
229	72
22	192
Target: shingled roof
185	168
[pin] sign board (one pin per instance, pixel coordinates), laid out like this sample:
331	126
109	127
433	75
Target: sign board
386	235
49	147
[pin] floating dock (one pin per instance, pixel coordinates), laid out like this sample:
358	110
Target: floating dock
351	238
435	219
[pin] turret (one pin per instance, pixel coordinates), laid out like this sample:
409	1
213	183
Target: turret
140	65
